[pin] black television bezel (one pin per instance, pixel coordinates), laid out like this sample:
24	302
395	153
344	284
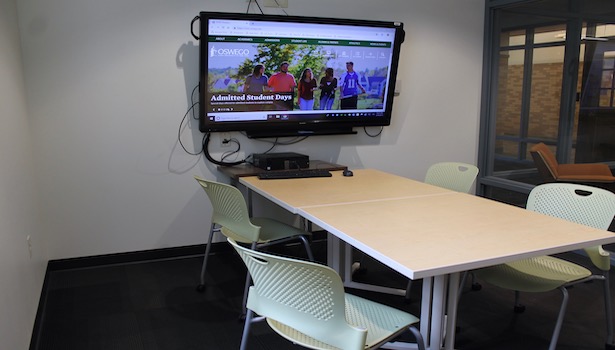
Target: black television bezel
296	128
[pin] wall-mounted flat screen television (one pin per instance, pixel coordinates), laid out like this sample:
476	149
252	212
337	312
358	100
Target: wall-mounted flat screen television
270	75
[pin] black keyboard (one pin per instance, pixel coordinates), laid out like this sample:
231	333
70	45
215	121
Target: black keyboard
293	174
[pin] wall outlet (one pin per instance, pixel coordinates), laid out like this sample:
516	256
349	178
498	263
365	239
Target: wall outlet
29	241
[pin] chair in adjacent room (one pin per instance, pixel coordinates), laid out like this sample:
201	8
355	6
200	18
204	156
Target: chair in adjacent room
230	210
305	303
582	204
551	171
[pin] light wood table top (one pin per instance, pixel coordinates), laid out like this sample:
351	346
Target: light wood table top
435	235
422	230
367	185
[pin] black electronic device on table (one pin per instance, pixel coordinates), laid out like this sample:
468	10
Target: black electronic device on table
294	174
280	161
234	47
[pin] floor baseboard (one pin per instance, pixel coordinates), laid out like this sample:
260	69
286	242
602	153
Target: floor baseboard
133	257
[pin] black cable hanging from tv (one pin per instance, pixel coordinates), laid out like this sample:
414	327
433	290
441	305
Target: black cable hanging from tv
207	135
196	18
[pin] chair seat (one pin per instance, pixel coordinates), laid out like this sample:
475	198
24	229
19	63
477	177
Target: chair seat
589	170
549	168
272	229
586	178
539	274
380	321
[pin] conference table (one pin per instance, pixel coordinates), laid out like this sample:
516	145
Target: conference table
422	231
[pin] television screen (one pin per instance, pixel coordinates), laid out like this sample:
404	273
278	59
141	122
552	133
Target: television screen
284	75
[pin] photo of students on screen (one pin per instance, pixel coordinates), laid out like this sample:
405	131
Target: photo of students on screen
350	87
253	81
328	85
282	81
257	81
282	84
305	90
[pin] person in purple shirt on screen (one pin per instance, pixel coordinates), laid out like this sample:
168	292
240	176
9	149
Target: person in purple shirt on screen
257	81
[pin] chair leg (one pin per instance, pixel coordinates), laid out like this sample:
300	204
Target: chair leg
560	319
246	288
308	249
518	307
212	230
420	343
608	310
246	330
475	285
245	294
408	289
464	277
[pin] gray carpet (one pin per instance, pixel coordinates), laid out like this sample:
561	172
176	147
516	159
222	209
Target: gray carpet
153	305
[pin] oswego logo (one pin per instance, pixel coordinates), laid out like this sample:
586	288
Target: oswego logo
228	52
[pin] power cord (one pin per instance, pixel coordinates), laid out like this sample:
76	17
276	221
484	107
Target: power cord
194	116
228	154
261	10
221	162
257	4
179	132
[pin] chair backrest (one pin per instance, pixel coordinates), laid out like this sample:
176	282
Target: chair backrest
452	175
545	161
581	204
306	296
230	210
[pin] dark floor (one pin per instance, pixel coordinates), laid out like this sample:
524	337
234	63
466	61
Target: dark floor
153	305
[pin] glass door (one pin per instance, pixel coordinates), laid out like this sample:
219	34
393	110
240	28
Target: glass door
596	120
548	78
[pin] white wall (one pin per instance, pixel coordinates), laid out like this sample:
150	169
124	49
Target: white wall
108	83
21	275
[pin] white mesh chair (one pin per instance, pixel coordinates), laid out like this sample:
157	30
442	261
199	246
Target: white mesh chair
452	175
230	210
577	203
305	303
